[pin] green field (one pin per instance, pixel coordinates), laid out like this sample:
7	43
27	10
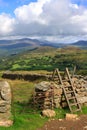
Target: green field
47	58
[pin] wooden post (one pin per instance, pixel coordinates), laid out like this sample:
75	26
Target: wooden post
74	71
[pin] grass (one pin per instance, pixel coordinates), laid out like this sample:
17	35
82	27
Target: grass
46	58
24	115
22	90
84	109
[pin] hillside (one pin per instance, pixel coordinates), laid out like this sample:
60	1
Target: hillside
47	58
15	46
80	44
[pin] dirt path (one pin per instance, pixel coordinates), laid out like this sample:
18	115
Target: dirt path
80	124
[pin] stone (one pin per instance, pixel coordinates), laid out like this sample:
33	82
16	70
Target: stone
42	86
5	90
54	93
60	119
57	91
62	128
5	108
49	113
82	99
71	116
5	102
85	128
6	123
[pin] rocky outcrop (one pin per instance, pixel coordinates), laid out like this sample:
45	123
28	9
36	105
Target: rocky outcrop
5	101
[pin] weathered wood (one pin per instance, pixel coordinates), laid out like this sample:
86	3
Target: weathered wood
69	89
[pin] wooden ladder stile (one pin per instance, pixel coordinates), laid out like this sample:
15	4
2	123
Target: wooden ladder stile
56	76
75	104
70	95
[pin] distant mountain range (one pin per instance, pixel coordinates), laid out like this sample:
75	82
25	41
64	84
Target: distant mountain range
19	45
80	43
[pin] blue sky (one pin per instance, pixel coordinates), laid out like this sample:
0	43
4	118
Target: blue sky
54	20
8	6
80	2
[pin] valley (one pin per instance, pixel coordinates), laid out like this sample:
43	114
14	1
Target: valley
47	58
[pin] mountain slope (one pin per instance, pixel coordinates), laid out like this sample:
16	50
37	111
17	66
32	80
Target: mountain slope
46	58
80	43
20	45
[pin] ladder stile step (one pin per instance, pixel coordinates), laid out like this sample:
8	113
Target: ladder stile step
74	104
70	98
77	110
68	90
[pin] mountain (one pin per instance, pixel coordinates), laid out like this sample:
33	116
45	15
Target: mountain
19	45
80	43
15	46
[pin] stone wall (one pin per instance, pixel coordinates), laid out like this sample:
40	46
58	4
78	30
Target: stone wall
5	101
47	95
80	86
27	76
50	95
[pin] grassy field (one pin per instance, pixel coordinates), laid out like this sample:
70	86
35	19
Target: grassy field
25	117
47	58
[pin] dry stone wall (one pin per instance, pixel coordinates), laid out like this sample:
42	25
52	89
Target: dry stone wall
50	95
5	100
80	86
26	76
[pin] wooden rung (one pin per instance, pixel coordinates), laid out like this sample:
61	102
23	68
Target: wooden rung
74	104
71	98
76	110
68	92
65	80
55	80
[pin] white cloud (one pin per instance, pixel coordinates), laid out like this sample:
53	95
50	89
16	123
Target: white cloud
80	21
6	24
47	18
31	12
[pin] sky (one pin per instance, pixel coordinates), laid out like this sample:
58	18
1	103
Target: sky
61	21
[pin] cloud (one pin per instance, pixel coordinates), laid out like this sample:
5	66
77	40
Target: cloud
47	18
6	24
30	13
